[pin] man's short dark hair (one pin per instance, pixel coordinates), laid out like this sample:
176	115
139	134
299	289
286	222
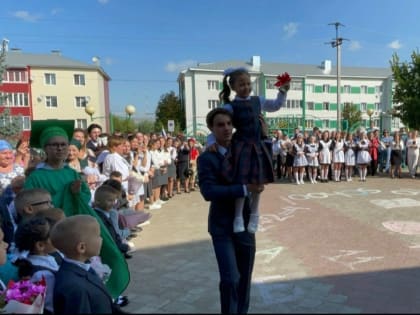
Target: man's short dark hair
211	114
93	126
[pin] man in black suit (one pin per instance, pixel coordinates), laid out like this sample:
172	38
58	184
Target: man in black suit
235	252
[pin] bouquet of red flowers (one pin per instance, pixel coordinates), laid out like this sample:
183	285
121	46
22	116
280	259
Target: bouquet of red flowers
23	297
282	79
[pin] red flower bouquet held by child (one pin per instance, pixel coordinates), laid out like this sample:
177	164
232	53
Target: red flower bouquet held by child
283	79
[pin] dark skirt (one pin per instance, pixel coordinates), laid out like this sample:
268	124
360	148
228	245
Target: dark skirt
172	170
181	167
396	157
248	162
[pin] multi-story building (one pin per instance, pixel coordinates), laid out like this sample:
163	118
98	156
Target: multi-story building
312	98
51	86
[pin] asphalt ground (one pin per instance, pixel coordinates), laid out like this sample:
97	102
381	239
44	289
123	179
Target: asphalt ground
346	247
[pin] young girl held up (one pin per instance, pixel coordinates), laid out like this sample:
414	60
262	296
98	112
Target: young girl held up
249	159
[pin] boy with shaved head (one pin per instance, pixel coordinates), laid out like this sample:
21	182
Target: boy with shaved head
78	289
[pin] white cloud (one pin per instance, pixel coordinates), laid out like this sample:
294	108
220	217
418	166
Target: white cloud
109	61
290	29
55	11
355	45
103	1
26	16
395	44
178	66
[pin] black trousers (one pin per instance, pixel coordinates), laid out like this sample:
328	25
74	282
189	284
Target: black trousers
235	254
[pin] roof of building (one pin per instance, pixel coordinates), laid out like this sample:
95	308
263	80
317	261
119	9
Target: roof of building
19	59
296	70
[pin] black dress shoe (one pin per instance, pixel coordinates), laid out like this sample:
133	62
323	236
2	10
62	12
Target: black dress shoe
122	300
127	256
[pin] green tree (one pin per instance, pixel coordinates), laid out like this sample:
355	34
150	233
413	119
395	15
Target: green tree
146	126
124	125
351	114
169	108
10	126
407	90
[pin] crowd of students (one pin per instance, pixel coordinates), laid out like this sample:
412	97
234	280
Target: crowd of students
121	177
322	156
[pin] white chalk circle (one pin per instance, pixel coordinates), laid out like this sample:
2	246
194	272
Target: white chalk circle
403	227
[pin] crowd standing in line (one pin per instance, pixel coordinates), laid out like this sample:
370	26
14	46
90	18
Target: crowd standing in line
322	156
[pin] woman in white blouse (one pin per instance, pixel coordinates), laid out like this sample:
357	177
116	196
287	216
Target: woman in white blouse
412	145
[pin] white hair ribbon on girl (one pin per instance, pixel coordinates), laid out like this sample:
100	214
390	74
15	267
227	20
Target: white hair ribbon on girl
229	71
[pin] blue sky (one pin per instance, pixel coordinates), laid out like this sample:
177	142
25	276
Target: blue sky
143	44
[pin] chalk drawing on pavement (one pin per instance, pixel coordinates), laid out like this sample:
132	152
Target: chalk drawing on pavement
348	193
396	203
273	291
351	258
267	221
406	192
403	227
269	253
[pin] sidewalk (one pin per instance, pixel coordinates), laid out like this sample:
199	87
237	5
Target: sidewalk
324	248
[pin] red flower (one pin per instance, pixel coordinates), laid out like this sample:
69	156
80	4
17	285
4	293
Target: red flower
282	79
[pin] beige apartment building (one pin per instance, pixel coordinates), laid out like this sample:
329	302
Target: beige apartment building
51	86
312	98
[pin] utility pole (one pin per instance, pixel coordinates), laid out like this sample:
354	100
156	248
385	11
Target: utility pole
336	43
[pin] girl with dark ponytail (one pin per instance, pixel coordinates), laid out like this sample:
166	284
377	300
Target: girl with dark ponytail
249	160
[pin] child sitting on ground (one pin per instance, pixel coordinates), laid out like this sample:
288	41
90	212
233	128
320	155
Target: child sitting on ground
78	289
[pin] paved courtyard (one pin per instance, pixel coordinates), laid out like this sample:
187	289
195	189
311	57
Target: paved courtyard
348	247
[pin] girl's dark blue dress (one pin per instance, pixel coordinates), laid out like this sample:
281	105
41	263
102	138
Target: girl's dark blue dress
249	161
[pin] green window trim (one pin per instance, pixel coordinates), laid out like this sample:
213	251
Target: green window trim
318	106
355	90
371	90
318	89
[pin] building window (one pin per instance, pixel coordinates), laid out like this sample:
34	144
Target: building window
269	84
79	79
81	101
310	88
326	123
15	76
50	78
293	104
15	99
377	106
26	123
213	104
363	89
363	107
310	105
378	89
213	85
309	123
81	123
346	89
326	88
326	106
296	85
51	101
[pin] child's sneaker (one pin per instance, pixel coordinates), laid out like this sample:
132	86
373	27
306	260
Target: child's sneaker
238	225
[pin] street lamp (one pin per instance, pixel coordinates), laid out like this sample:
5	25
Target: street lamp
370	113
90	110
130	110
